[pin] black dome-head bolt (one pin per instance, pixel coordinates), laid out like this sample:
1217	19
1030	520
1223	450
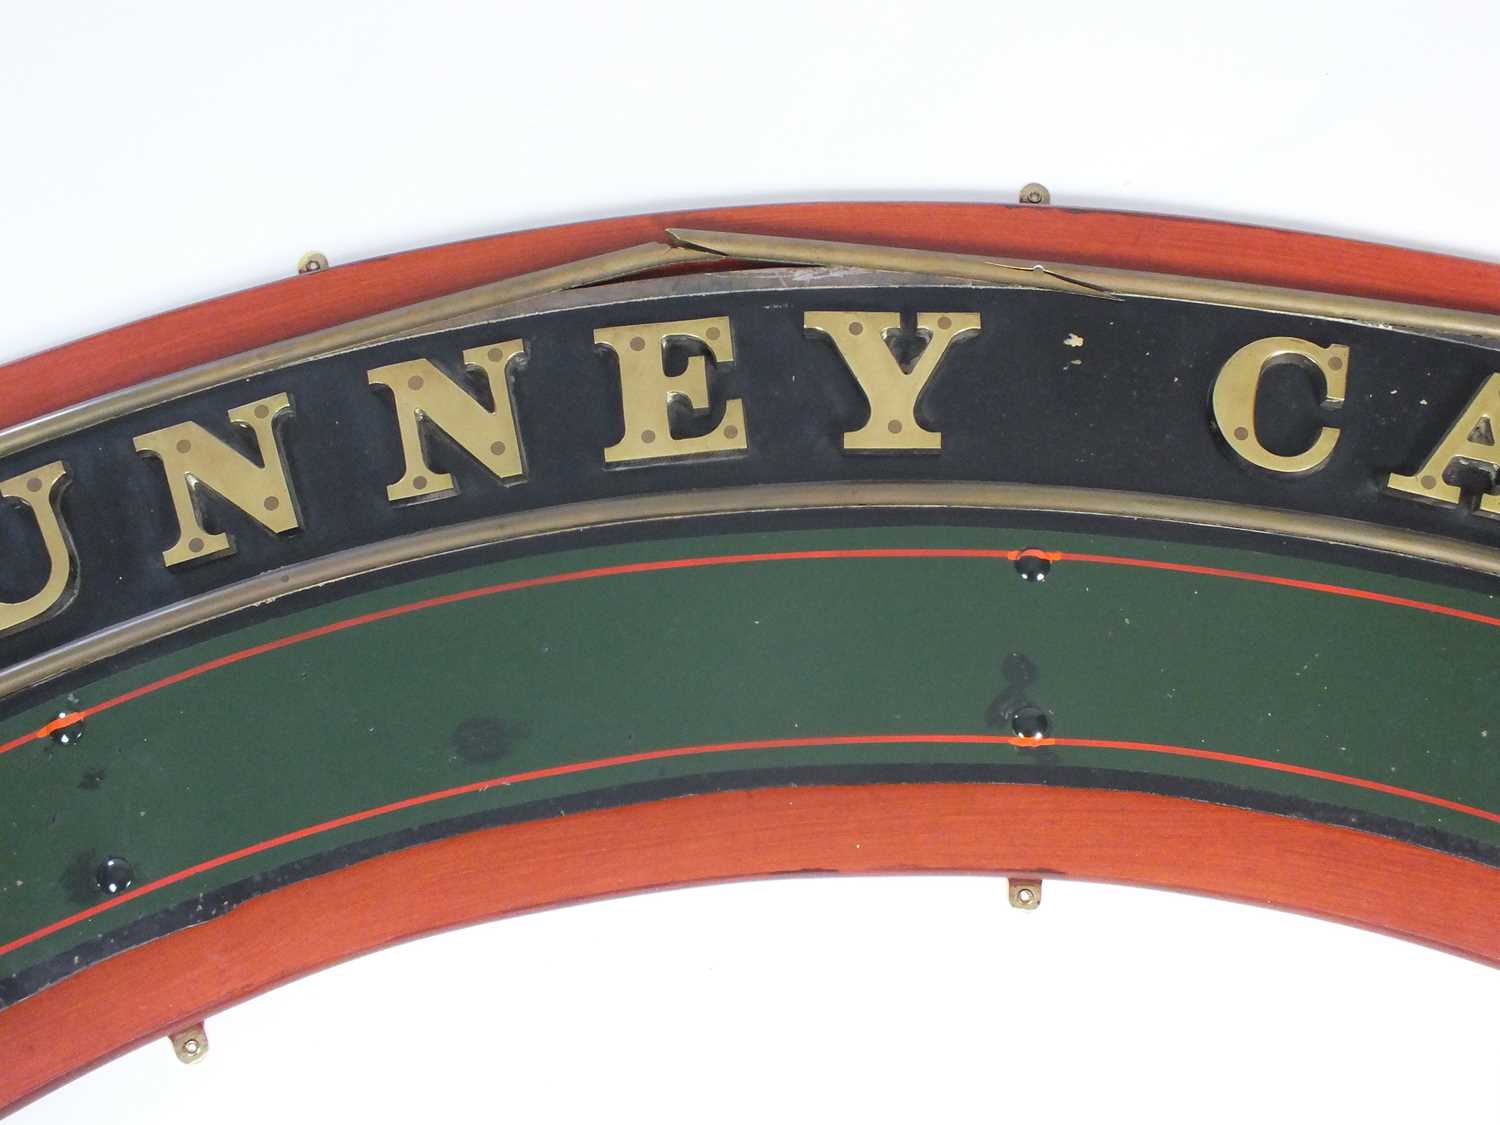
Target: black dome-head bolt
64	732
1033	565
1030	722
114	874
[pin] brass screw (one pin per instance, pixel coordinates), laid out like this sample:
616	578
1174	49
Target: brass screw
312	262
190	1044
1025	894
1035	193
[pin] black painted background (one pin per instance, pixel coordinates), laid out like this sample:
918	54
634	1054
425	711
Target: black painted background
1012	404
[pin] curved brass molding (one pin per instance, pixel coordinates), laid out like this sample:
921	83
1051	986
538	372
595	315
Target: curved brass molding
968	495
408	320
1097	281
495	300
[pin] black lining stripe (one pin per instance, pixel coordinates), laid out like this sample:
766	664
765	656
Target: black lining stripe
212	904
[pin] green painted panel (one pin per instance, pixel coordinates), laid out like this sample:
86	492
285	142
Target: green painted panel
825	648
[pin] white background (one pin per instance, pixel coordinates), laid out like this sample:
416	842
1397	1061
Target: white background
152	155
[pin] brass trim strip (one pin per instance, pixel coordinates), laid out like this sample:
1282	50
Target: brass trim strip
972	495
698	245
1096	281
356	333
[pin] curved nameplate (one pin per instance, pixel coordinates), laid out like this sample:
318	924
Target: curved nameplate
694	576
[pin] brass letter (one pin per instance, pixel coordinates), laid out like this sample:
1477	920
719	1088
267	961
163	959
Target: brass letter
193	458
39	490
862	338
423	393
647	391
1238	383
1471	438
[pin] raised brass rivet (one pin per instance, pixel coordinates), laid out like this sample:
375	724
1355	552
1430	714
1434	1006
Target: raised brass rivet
856	328
191	456
1335	362
649	396
1025	894
731	432
1468	445
312	262
945	322
262	411
894	426
1236	386
272	503
711	333
420	391
34	484
1035	193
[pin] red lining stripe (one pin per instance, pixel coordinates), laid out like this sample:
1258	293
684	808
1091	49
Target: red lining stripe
733	560
723	748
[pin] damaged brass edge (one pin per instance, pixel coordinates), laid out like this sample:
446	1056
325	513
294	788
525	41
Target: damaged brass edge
368	330
700	245
1097	281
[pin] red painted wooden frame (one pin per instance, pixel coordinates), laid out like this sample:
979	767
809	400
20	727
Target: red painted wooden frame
226	325
1336	873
